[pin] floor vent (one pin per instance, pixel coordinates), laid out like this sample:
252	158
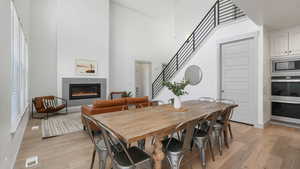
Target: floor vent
35	127
31	162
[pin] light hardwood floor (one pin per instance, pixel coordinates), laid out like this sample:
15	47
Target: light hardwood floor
275	147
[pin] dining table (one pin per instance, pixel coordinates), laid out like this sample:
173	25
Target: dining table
159	121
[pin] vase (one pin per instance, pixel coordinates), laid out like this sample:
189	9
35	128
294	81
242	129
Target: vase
177	102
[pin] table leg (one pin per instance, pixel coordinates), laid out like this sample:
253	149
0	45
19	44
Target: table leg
158	154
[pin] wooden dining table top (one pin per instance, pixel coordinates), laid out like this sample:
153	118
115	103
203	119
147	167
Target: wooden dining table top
136	124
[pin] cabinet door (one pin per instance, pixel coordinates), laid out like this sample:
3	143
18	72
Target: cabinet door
294	42
279	44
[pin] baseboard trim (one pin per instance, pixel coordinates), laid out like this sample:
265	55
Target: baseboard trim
22	126
262	126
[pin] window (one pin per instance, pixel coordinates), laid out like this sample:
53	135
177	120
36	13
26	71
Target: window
19	70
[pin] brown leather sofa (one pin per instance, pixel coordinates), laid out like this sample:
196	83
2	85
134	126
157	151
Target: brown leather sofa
107	106
138	102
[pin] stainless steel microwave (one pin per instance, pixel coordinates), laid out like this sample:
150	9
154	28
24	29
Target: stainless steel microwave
290	67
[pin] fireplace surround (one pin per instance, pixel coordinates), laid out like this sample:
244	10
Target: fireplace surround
79	91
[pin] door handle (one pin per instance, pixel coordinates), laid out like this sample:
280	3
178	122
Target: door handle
222	91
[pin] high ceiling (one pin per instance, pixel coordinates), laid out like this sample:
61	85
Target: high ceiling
274	14
151	8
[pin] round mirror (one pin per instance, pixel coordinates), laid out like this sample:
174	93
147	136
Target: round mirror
193	74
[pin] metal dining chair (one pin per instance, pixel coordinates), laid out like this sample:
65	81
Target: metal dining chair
122	157
99	144
228	101
173	147
223	124
205	99
202	137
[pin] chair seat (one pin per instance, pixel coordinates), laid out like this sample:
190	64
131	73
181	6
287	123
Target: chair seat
101	144
218	125
175	146
220	121
200	133
59	107
135	153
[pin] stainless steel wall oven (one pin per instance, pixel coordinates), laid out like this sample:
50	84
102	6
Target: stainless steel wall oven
286	90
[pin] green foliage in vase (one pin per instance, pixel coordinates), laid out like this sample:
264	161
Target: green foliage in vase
177	88
127	94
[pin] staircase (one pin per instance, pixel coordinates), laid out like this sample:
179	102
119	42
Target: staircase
221	12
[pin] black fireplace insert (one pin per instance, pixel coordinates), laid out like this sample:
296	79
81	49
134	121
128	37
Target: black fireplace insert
84	91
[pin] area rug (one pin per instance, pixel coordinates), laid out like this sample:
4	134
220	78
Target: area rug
61	124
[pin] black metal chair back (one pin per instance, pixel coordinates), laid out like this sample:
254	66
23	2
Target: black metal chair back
175	132
210	122
113	143
99	145
87	121
180	130
227	112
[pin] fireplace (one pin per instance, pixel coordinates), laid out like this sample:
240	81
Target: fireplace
84	91
80	91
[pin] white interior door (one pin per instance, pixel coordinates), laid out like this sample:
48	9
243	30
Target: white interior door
237	81
143	79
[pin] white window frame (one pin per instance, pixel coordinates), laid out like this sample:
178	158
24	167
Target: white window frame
19	70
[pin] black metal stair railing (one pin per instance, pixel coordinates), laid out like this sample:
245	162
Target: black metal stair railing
221	12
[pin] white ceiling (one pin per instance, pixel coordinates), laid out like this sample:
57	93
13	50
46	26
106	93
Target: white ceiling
274	14
152	8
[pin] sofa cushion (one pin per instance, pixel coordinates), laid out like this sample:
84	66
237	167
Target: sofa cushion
108	109
137	100
109	103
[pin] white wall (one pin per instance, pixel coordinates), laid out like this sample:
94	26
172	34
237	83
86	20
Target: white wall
23	8
188	14
273	14
208	59
10	142
83	32
136	36
264	79
61	31
43	48
5	78
267	92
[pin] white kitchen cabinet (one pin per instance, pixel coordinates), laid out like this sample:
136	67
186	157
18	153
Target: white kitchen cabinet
285	43
294	42
279	44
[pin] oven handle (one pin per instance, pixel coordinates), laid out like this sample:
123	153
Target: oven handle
285	101
285	80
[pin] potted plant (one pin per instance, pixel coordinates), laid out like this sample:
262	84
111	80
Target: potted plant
177	88
127	94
